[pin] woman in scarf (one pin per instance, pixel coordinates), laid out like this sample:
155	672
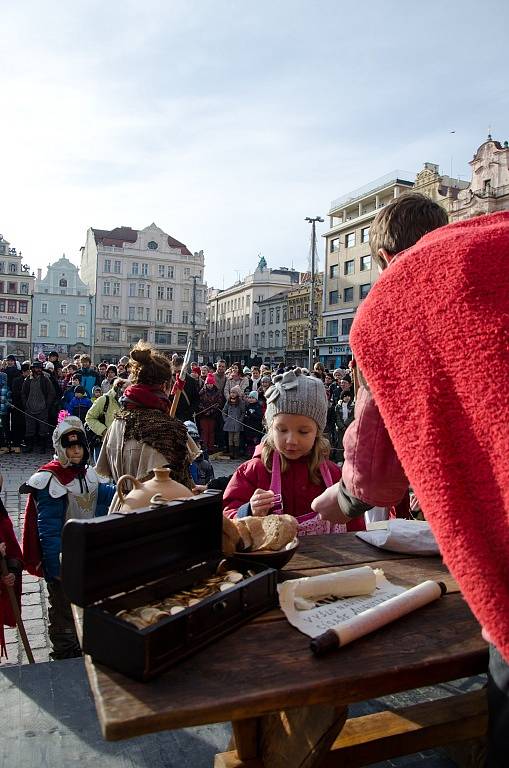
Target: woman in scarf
143	435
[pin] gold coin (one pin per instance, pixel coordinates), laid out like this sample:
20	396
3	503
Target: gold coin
176	609
226	585
234	577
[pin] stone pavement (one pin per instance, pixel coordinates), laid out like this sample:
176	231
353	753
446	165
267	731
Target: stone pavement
16	469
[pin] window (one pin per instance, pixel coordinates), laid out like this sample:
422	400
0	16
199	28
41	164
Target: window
107	265
82	331
162	337
278	315
63	309
264	312
22	331
169	315
159	315
169	294
107	288
284	314
43	329
365	235
12	305
144	270
182	338
346	324
116	289
257	318
185	294
333	297
348	294
271	316
257	339
62	330
135	268
333	270
331	328
334	245
350	240
116	312
152	245
365	263
12	268
278	339
364	290
23	288
11	287
147	313
82	310
139	313
106	311
187	271
170	272
2	264
160	270
117	267
23	307
110	334
349	267
11	330
131	311
141	290
2	306
160	291
132	289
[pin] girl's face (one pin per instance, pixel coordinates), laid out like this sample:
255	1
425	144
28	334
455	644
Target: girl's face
121	368
294	436
236	370
75	453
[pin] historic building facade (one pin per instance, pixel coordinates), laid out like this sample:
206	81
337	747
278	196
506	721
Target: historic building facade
232	313
16	290
442	189
63	311
270	339
299	325
147	286
488	190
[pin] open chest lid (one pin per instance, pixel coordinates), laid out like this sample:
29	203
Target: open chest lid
109	555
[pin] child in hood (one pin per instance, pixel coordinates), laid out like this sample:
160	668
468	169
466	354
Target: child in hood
233	413
80	403
253	426
66	487
291	467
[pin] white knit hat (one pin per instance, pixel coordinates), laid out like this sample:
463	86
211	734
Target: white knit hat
301	395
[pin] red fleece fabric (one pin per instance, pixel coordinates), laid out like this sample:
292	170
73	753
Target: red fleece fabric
432	340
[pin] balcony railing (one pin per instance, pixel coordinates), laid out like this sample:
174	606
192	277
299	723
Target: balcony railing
374	186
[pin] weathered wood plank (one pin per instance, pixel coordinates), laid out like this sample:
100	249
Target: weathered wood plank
332	551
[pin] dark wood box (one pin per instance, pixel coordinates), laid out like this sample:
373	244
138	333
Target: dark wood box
124	561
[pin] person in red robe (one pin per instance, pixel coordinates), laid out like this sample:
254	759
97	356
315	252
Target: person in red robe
10	550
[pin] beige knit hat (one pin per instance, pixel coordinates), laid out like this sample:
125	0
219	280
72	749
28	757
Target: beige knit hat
301	395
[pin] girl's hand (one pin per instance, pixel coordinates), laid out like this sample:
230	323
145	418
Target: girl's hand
261	502
3	549
9	580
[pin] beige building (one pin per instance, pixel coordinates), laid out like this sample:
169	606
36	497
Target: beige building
270	328
147	285
349	272
16	291
298	327
234	317
442	189
488	190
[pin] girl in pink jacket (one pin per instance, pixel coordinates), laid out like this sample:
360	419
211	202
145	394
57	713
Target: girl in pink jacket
291	467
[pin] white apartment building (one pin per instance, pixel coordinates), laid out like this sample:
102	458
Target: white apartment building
147	286
234	317
349	272
16	291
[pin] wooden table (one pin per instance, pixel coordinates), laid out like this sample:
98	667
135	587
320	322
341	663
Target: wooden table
287	707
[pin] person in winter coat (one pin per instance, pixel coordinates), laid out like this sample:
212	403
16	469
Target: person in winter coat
5	404
17	414
89	378
63	488
211	402
233	413
236	379
80	404
253	426
189	401
344	415
11	419
143	435
291	467
109	378
99	417
37	395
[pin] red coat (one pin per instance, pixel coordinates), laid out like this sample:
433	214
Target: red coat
297	490
13	554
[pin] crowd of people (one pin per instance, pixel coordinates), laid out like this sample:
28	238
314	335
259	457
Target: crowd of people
324	446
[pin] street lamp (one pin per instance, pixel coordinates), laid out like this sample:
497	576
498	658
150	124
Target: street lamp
312	318
194	278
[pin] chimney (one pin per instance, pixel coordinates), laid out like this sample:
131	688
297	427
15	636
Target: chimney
39	274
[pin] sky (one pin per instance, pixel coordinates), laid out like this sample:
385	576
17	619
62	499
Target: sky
228	123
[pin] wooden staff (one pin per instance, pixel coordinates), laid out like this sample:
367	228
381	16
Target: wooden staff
178	387
17	613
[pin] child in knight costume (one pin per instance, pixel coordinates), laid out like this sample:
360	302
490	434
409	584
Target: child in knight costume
65	488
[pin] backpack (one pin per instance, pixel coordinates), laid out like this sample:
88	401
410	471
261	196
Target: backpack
93	439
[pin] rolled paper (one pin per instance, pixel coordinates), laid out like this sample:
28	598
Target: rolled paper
349	583
374	618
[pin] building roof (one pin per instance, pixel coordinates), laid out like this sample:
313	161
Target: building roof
276	297
394	177
121	235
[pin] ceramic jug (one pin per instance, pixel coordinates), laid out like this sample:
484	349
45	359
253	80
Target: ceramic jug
159	490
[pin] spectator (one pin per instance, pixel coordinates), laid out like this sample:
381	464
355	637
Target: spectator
80	404
236	379
211	403
233	412
189	401
87	376
17	411
37	395
253	426
109	378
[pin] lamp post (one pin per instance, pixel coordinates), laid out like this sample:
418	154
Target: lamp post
312	318
194	278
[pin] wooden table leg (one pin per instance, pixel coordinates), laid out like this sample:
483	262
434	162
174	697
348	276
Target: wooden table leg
245	734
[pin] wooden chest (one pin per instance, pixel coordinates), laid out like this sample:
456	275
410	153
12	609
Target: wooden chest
120	562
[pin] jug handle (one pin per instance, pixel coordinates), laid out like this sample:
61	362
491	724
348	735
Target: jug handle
158	498
136	484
